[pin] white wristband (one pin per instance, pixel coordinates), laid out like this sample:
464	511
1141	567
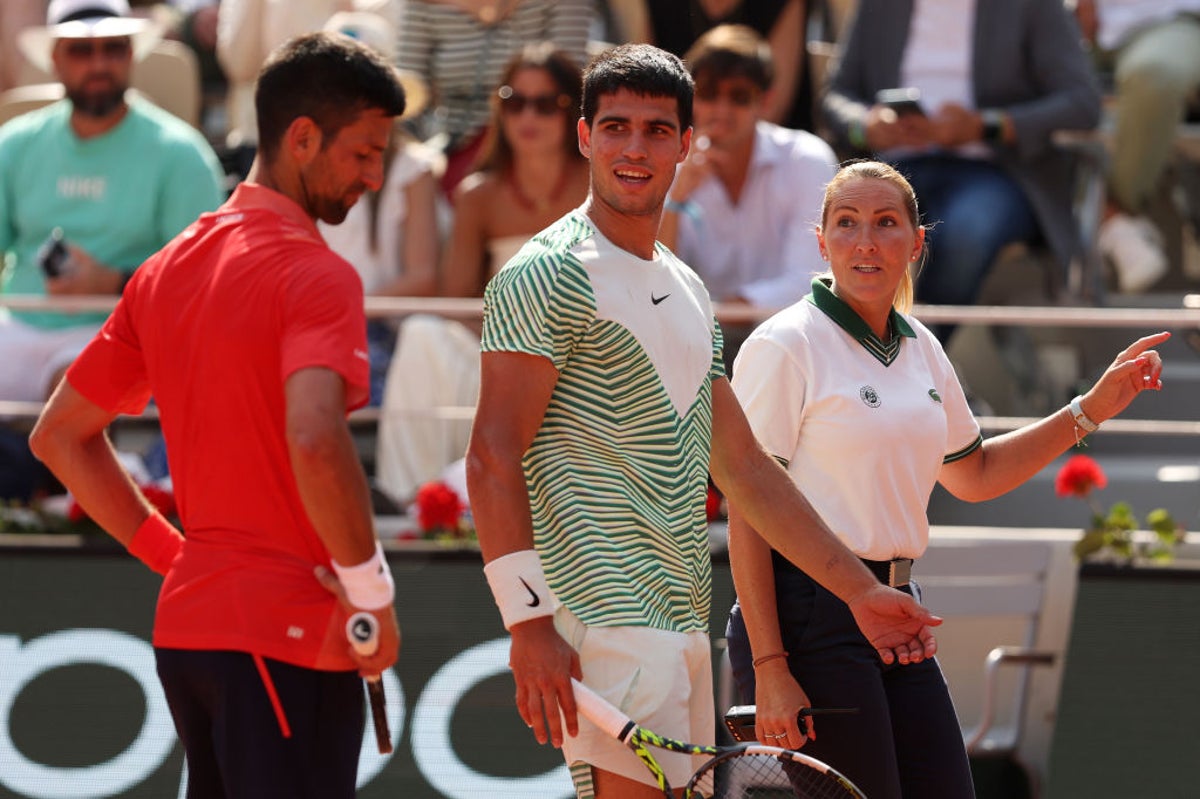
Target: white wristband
519	587
369	584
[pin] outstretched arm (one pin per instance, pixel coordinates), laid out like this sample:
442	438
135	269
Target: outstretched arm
1006	461
759	489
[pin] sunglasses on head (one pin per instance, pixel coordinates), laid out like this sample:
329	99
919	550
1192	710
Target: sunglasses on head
543	104
86	48
736	95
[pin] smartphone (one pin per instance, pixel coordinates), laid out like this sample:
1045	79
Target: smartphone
52	255
902	101
740	719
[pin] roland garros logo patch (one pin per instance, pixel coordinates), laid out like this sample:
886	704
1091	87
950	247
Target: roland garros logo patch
869	396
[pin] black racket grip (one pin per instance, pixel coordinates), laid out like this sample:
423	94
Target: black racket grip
821	711
363	631
383	736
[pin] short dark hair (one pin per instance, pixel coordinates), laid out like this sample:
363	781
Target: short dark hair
642	69
731	51
330	79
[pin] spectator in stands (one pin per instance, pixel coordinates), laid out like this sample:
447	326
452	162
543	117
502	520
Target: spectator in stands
15	16
675	26
531	173
194	23
1152	49
391	236
979	154
117	176
742	207
460	48
247	32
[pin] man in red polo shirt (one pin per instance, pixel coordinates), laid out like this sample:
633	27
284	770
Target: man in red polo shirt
248	332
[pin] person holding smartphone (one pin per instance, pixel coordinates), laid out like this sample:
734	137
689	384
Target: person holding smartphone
114	173
996	78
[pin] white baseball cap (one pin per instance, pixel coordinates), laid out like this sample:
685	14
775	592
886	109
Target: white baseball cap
86	19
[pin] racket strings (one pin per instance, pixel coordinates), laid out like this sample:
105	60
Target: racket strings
766	776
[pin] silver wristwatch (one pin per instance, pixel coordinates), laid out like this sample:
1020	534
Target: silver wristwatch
1081	419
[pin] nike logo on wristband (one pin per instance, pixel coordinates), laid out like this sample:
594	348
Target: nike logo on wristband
534	599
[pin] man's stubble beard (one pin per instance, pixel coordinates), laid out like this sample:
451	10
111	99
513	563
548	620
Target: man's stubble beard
98	104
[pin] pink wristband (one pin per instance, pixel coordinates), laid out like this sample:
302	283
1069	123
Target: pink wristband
156	543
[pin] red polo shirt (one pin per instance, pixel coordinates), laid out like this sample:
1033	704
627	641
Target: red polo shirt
212	326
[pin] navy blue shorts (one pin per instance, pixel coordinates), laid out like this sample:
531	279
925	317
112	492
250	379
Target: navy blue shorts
905	740
233	733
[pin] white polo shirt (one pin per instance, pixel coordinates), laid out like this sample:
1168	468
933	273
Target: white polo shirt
863	427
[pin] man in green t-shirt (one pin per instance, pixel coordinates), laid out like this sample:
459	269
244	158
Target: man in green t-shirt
115	176
603	406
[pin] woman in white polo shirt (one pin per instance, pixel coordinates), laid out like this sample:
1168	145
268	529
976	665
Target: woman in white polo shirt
860	403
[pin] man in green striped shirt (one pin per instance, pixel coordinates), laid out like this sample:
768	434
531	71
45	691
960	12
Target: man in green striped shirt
603	408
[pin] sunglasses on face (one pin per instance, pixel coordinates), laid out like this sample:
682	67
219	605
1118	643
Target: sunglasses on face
741	96
81	49
543	104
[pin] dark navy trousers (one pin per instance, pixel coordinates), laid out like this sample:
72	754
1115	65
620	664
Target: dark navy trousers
905	741
233	734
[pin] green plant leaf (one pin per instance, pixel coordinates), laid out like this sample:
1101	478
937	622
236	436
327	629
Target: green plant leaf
1090	543
1121	517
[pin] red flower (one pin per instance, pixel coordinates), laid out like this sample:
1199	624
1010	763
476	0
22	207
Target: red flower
712	505
438	507
1078	476
162	500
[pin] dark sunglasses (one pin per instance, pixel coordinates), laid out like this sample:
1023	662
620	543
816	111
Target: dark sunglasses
543	104
86	48
737	95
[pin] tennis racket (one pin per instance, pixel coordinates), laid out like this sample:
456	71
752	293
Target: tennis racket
741	719
363	631
732	772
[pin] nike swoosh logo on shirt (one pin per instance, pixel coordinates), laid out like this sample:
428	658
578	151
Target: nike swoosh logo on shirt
657	300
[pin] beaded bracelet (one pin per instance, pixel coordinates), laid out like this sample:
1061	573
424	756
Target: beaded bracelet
765	658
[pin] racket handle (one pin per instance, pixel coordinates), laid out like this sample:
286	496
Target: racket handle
821	711
363	631
601	713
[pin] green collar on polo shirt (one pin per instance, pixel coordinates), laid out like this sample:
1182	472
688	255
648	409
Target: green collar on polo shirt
837	310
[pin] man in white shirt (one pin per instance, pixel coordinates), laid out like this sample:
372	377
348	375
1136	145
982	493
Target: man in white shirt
743	206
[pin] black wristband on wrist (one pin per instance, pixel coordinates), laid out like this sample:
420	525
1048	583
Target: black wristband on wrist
993	126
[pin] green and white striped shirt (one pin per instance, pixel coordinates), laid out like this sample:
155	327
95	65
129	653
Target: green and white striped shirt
617	473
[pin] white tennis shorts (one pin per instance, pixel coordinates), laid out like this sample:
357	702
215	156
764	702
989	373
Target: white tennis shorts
660	679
